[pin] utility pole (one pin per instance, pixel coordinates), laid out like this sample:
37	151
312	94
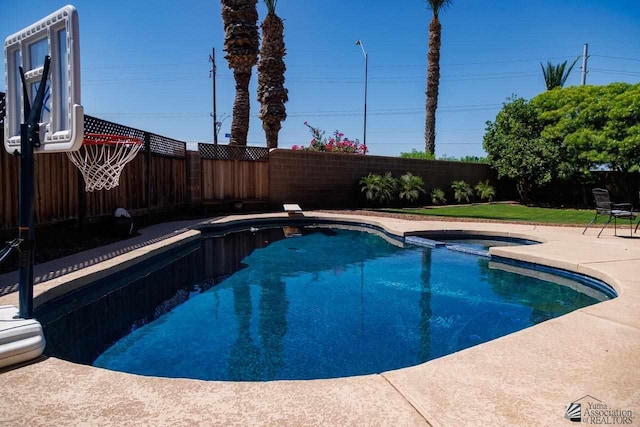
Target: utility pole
212	73
584	64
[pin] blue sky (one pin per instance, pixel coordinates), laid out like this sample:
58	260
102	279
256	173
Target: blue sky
145	64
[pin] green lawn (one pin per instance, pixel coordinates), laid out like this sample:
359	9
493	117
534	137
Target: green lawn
510	212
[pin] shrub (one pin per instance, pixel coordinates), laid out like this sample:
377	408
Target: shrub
336	144
415	154
410	187
485	191
461	191
437	197
370	185
465	159
379	188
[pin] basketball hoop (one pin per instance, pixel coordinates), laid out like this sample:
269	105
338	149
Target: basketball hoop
102	158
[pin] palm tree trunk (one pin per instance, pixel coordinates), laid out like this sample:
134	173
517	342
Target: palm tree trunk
271	132
241	107
433	81
271	91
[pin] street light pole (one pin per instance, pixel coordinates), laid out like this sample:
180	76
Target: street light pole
366	72
219	124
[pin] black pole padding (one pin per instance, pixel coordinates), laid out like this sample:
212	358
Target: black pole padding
25	225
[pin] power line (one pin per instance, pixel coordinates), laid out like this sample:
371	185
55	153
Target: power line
618	72
159	79
617	57
315	66
111	66
472	63
402	109
289	64
390	79
322	113
321	80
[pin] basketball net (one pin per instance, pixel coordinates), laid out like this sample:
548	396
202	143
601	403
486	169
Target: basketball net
102	158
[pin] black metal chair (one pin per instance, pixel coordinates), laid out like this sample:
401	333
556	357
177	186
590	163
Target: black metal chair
604	206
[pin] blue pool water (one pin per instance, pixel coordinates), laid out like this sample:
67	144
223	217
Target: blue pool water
336	303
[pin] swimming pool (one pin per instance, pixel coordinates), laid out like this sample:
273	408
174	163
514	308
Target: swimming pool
331	303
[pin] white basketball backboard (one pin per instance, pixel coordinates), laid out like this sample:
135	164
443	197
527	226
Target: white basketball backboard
62	121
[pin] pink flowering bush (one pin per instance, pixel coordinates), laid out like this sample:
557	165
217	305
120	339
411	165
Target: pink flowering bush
336	144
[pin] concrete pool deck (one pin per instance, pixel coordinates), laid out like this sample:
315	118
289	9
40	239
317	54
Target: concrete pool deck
525	378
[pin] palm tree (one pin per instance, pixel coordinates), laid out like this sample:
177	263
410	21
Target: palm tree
379	188
555	75
485	191
271	92
433	73
241	42
410	187
461	190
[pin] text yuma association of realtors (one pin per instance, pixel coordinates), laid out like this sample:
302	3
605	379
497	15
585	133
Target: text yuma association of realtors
599	413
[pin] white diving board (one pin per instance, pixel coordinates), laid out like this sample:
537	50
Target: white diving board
292	209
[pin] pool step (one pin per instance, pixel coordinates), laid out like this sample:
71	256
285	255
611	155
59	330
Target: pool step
469	250
421	241
428	243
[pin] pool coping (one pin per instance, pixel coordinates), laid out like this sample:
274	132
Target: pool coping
525	378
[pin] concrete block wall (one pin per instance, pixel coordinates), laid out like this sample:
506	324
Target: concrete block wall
330	180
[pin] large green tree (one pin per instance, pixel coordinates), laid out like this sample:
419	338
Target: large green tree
566	134
433	73
271	91
516	149
597	125
241	42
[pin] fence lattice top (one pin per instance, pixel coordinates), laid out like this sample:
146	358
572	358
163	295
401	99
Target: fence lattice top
167	146
232	152
158	144
96	125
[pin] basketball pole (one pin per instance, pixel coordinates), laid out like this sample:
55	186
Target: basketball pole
29	139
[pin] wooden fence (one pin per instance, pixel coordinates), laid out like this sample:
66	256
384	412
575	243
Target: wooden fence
155	179
231	173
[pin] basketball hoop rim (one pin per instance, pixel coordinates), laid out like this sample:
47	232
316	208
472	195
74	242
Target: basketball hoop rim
109	139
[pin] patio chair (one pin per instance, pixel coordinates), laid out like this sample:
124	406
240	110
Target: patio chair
604	206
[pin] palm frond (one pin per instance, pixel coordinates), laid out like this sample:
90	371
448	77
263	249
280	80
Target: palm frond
271	5
555	75
564	78
437	6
